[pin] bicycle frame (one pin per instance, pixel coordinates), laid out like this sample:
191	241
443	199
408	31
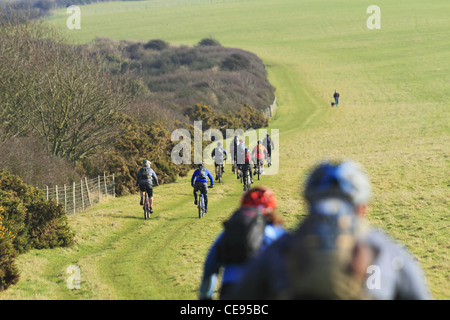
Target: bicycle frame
146	206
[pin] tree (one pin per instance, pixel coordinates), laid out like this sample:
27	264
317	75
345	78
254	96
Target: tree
58	92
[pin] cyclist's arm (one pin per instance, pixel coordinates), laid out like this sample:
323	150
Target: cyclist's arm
193	177
155	178
213	153
210	272
210	178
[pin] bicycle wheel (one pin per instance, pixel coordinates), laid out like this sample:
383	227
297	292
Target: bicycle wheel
200	206
258	169
245	181
146	207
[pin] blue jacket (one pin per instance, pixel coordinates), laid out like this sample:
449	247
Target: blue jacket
195	177
231	273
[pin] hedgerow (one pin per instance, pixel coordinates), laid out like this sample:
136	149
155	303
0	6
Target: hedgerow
27	220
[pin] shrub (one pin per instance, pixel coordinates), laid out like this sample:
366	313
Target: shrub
236	62
27	221
9	273
157	45
137	142
209	42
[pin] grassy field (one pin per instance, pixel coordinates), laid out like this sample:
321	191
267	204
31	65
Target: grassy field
393	118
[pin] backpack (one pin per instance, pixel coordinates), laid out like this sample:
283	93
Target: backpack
202	173
242	236
219	154
145	173
320	256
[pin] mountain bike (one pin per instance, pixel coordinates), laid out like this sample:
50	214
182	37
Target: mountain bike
201	205
146	207
258	169
220	172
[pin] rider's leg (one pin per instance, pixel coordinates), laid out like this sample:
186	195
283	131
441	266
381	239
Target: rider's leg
142	195
249	168
195	195
150	198
205	195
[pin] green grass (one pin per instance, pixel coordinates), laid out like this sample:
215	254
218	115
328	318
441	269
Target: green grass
393	118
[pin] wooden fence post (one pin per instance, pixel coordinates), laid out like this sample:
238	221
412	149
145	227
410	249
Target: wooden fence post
88	193
99	188
104	180
82	197
65	198
114	186
56	192
73	192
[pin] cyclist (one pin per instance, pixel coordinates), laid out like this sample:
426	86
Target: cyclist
268	143
259	152
145	177
200	183
334	189
246	166
240	156
264	200
219	154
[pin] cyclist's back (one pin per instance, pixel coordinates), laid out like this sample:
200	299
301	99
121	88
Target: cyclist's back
259	151
199	181
259	197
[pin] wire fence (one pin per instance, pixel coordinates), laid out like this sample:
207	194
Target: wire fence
80	196
270	111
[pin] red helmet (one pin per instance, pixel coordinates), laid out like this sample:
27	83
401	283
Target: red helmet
260	197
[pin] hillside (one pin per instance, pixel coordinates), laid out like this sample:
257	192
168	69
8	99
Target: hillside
392	118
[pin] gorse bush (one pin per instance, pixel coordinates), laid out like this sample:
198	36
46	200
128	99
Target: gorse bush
136	143
27	220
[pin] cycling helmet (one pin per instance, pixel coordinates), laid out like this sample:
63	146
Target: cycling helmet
259	141
346	179
200	165
260	197
147	163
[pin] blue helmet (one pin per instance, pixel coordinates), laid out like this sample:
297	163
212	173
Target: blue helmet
346	180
